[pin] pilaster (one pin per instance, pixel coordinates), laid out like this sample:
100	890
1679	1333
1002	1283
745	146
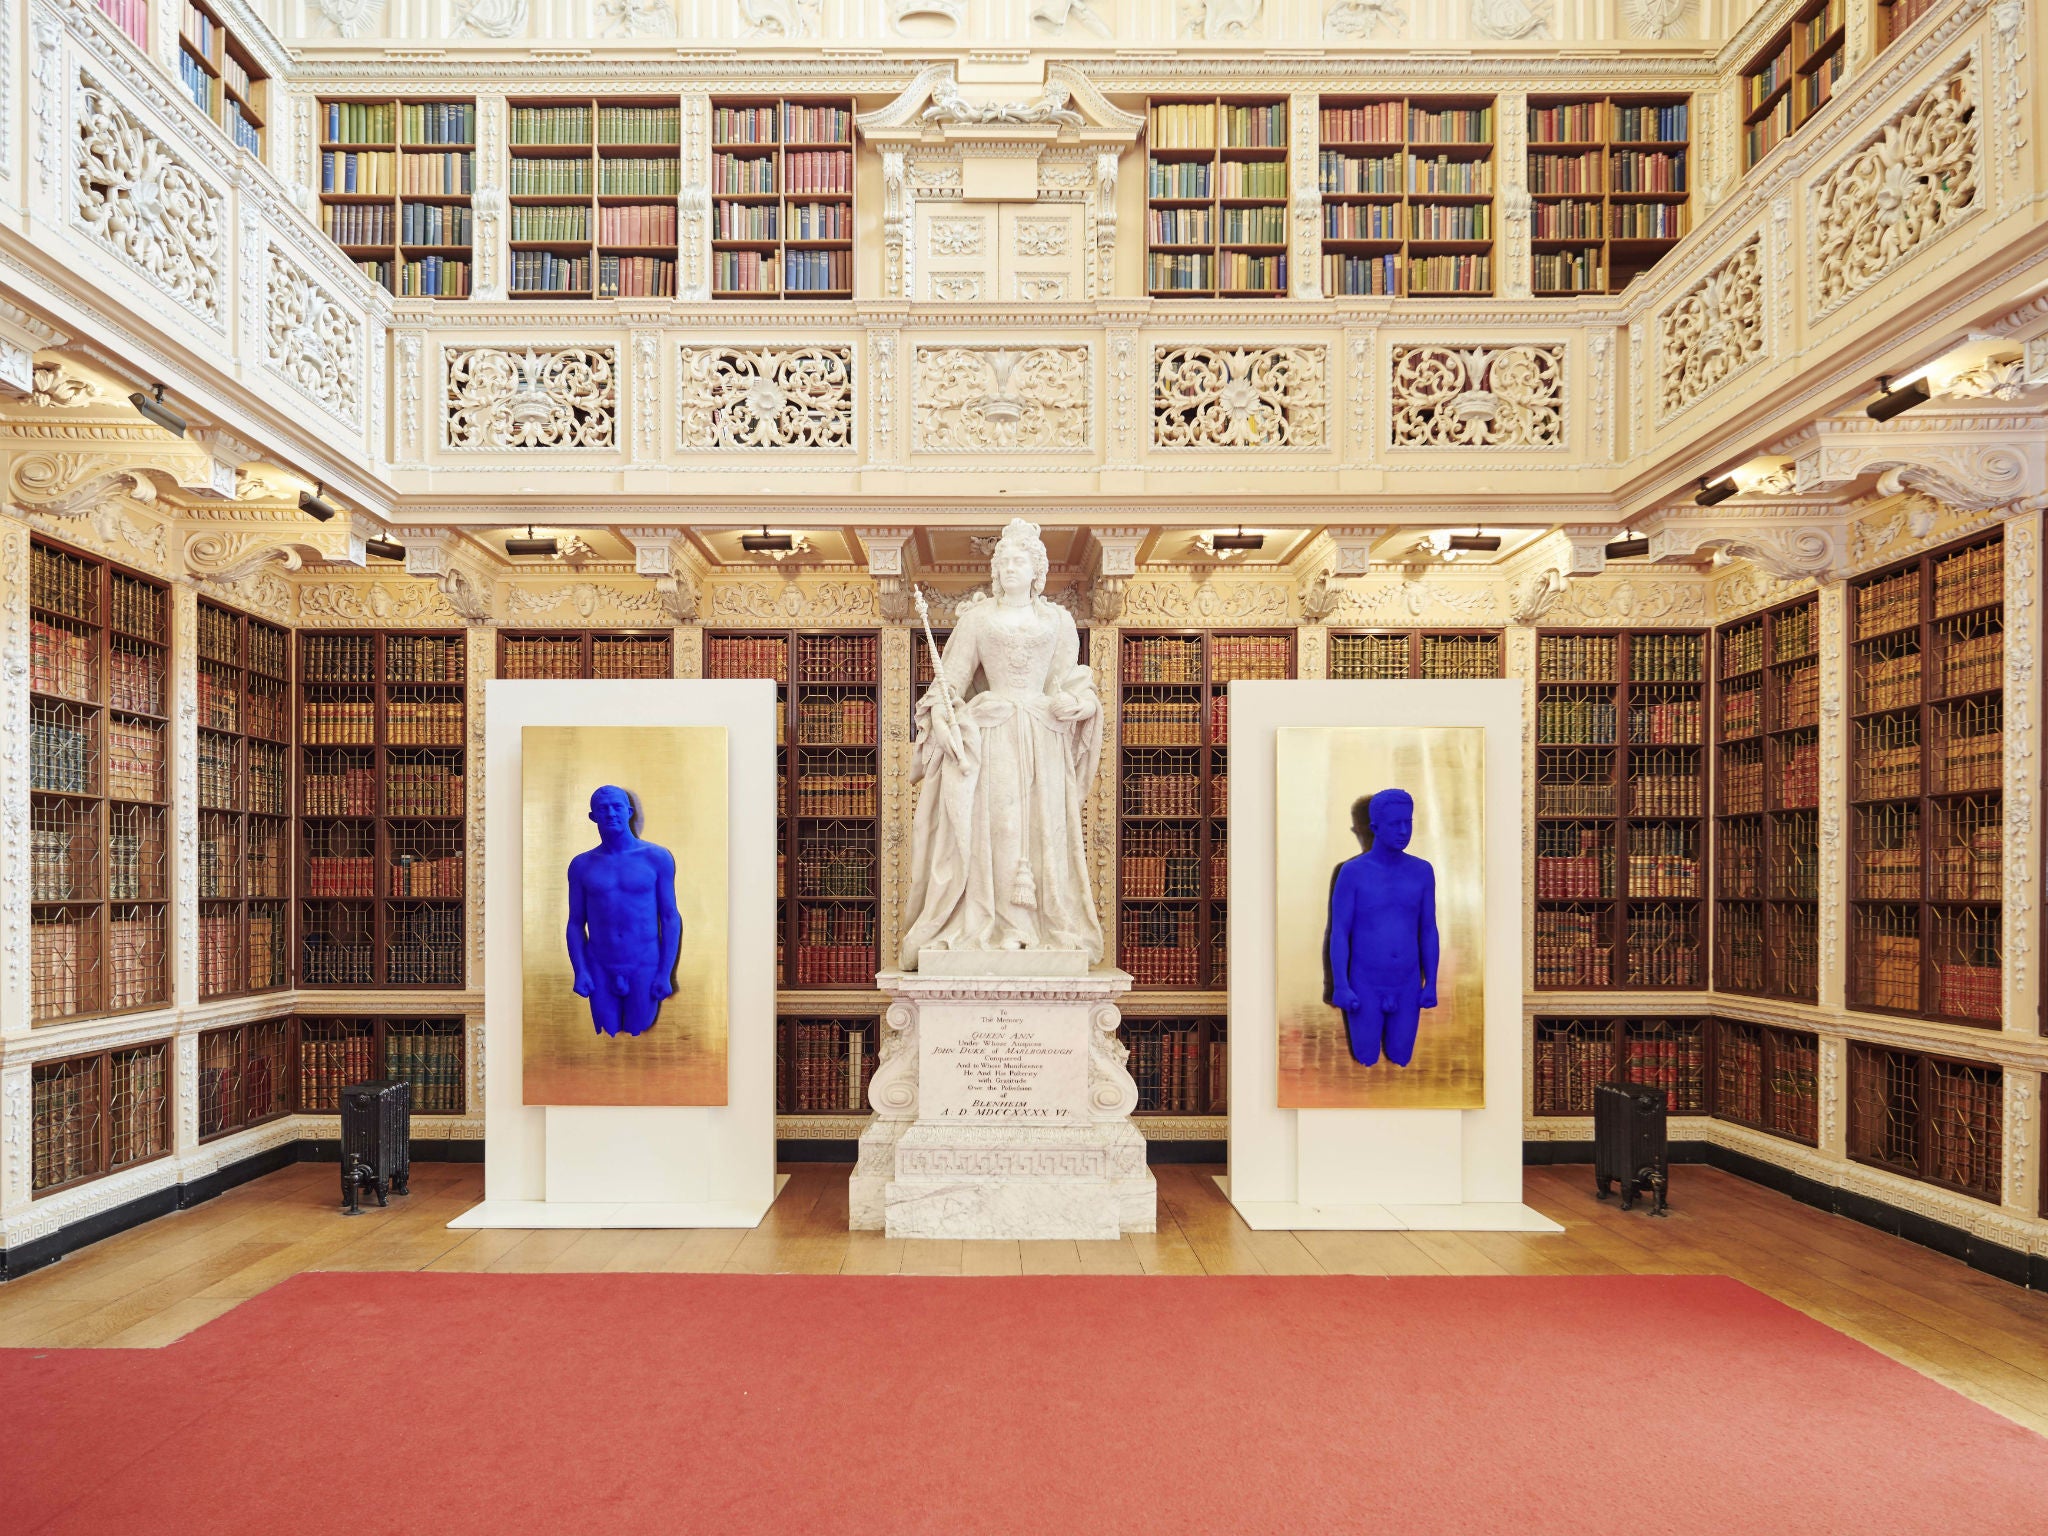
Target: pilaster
2020	1183
1832	1073
1519	663
1511	115
693	202
892	704
489	202
1305	215
17	1154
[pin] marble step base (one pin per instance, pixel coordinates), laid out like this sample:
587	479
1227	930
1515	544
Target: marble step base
925	1179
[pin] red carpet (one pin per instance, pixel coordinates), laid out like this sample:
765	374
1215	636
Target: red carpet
359	1403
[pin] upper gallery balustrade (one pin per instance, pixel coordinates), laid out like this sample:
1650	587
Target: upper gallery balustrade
968	273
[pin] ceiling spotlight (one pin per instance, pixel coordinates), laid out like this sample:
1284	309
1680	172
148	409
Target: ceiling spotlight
1896	402
1475	541
312	504
1628	547
385	549
766	543
1713	492
530	545
1226	543
152	408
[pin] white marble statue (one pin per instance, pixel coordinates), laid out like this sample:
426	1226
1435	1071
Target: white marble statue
1008	736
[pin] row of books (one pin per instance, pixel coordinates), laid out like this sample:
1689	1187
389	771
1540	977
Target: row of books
329	1063
1452	178
1162	877
431	1060
1346	276
197	81
1177	1070
1193	125
1641	171
545	272
1339	174
131	16
826	1065
381	172
840	872
550	125
835	965
1450	221
568	222
1567	271
635	277
1450	274
234	1093
638	177
1569	220
752	221
550	178
747	656
1764	135
637	224
1648	221
244	130
1975	578
836	721
835	794
235	77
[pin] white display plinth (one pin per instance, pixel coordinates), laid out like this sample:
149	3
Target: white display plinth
1372	1169
633	1166
1002	1110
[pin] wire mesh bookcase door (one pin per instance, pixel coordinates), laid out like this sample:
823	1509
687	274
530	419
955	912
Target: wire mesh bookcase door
1767	1078
1926	913
823	1064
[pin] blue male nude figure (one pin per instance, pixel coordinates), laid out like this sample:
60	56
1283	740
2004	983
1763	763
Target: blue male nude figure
1383	942
624	928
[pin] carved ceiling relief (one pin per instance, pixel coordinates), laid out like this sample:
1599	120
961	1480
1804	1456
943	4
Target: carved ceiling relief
311	339
1240	397
766	397
1479	397
553	398
1909	184
996	399
147	206
1714	330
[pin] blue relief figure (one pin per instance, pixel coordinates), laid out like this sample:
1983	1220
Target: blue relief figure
1383	940
624	928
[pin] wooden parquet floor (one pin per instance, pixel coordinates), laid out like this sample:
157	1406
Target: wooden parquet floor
1983	1337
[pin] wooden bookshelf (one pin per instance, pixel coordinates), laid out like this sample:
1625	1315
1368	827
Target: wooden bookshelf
827	896
1767	809
823	1065
383	727
330	1052
1930	1118
97	1114
782	200
1895	16
244	1076
1575	1055
98	786
1927	710
593	196
1216	197
1609	187
1438	655
220	76
1792	77
1181	1065
1620	801
131	16
396	178
586	653
1768	1079
1173	779
244	767
1407	186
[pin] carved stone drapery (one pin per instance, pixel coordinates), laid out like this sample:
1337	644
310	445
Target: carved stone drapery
996	399
148	206
1905	186
311	340
560	397
1481	397
765	397
1715	329
1240	397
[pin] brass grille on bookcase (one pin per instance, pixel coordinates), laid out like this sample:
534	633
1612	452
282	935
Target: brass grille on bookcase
1970	648
220	694
429	1054
836	658
1575	783
63	754
338	714
423	941
1884	1108
1219	861
1739	1080
138	1104
135	955
823	1065
1742	779
1740	952
1162	659
1158	782
1367	657
1928	1118
540	656
265	862
1966	1127
340	859
1969	746
423	658
417	716
64	862
1767	1078
831	717
265	958
1663	946
835	783
835	859
632	656
1888	861
1966	962
269	779
835	944
1968	862
335	941
1574	946
1160	860
217	761
1160	945
425	858
65	975
65	1106
333	1053
242	1076
1670	1054
1174	1062
1741	860
747	656
1459	656
423	782
220	949
1164	716
1574	861
1885	956
135	675
339	783
1663	859
1573	1057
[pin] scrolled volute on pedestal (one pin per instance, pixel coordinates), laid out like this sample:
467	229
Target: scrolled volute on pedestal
1112	1091
892	1091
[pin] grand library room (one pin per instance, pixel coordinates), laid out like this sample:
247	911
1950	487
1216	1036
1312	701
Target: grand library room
808	502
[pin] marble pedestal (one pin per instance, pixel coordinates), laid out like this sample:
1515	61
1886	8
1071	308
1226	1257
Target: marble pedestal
1002	1110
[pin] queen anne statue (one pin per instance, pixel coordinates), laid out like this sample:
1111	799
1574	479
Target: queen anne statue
1008	736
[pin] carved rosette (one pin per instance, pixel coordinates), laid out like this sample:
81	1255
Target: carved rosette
310	340
532	400
1477	397
765	397
1240	397
1002	400
147	206
2022	621
1834	790
1713	331
1907	185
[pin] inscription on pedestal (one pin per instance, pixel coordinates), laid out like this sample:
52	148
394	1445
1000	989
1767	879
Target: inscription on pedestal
990	1064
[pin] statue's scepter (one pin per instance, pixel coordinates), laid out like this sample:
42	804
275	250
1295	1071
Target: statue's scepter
924	614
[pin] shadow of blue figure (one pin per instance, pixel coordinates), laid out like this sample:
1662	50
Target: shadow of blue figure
1383	942
624	927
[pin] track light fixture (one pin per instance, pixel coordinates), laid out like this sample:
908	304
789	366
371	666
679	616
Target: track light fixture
1475	541
1628	547
151	408
1713	492
313	504
1230	543
766	543
1896	402
385	549
532	545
